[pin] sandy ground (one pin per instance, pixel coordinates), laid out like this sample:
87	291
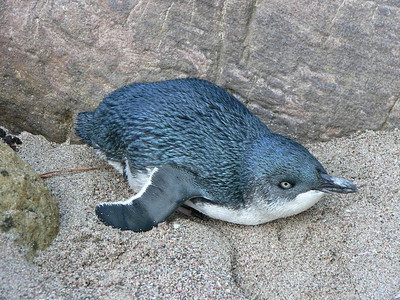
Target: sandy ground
345	247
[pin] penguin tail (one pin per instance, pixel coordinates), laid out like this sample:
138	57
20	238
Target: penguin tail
84	126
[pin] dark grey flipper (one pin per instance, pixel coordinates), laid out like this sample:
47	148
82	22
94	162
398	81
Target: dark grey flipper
168	188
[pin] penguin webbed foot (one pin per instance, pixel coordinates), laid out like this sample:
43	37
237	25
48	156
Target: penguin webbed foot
191	212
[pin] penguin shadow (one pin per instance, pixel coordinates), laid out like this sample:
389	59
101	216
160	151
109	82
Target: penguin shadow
187	213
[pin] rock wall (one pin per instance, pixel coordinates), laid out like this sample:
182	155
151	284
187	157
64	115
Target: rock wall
310	70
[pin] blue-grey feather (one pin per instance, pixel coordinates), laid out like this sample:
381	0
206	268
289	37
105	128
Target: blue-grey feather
190	123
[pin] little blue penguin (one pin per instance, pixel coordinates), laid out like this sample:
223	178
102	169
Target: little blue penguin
189	142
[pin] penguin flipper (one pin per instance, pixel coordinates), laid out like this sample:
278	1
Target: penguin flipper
167	189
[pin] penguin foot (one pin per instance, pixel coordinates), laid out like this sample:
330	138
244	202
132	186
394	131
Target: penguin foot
191	212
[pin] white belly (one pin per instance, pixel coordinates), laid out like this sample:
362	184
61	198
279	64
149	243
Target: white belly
259	213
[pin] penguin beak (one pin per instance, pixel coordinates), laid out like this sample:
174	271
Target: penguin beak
335	185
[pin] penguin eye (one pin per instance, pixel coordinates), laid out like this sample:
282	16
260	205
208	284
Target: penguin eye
285	185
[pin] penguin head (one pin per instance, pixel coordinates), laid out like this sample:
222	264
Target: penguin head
280	170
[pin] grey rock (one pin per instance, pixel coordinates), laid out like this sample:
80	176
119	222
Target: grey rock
310	70
27	208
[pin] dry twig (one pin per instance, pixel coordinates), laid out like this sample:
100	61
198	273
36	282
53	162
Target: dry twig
52	173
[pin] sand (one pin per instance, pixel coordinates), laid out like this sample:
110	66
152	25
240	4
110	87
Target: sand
345	247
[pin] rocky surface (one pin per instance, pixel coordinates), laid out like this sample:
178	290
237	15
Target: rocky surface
312	70
27	209
345	247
